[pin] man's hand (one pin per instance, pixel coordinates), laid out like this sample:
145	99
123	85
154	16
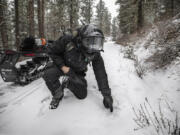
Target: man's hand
74	78
108	102
65	69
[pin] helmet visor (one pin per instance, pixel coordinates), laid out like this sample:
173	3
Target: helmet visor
93	44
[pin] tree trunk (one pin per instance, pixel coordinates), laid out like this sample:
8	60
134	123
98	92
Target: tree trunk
17	24
89	12
41	18
3	25
140	15
31	17
172	7
71	14
100	23
43	13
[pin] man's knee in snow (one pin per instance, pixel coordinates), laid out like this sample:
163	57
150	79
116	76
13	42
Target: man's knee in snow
81	96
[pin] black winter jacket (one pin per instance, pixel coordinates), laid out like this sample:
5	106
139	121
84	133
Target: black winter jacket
64	52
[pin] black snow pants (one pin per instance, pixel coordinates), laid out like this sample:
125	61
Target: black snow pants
52	75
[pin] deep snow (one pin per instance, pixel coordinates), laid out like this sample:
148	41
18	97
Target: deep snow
24	110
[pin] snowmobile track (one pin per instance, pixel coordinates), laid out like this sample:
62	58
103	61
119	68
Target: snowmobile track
20	97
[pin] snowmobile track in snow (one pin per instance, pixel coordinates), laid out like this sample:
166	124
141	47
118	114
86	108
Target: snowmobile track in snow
19	97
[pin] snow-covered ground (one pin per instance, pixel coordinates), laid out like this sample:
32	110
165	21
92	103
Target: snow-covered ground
24	110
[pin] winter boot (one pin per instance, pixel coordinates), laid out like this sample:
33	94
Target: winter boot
59	93
57	97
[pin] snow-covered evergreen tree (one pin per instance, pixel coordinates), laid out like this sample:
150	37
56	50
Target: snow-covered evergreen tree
3	24
100	7
114	28
103	17
73	13
87	10
56	17
107	22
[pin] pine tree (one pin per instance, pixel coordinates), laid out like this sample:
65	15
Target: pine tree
176	6
139	14
73	12
56	18
3	24
10	23
41	13
23	19
100	7
17	24
87	10
103	18
106	22
128	16
134	14
114	28
61	12
31	17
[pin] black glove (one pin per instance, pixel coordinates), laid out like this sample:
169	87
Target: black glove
73	77
108	102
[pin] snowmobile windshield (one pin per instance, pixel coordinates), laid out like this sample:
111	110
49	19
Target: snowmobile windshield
93	44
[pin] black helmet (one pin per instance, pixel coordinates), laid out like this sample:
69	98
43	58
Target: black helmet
92	38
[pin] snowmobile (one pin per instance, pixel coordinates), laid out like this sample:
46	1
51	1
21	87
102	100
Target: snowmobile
26	65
